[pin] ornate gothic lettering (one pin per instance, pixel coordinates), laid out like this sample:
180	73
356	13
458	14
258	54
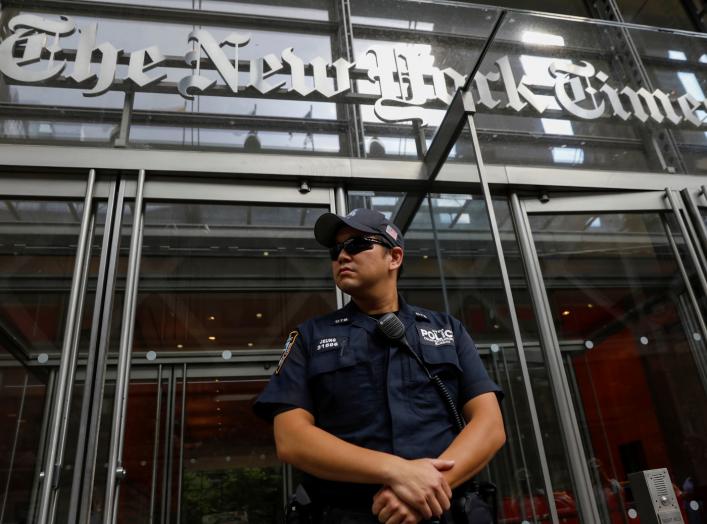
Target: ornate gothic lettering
399	73
139	66
570	76
195	83
516	91
82	66
33	31
688	105
406	76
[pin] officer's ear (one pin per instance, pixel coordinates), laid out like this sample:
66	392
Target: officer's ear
396	257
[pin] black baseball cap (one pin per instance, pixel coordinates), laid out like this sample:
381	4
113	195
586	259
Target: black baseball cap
366	220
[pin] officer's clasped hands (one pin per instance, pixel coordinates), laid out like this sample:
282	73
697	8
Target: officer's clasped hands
417	490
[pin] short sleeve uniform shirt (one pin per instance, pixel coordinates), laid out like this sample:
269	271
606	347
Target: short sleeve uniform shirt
370	392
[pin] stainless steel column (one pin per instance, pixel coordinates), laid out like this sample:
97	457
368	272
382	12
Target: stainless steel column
699	269
340	208
59	419
115	468
699	226
563	398
491	213
686	279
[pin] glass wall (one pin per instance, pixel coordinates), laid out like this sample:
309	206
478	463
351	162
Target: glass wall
316	79
632	349
451	265
221	286
37	249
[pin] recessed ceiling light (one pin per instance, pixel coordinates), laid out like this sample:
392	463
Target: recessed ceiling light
212	338
566	313
258	315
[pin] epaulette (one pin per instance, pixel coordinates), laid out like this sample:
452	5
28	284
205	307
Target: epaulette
421	316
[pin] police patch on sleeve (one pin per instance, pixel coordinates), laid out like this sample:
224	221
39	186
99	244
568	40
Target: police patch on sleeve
291	338
436	337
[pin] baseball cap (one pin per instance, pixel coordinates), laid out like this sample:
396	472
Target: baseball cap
366	220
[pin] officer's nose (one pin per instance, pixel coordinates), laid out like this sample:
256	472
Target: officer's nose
343	256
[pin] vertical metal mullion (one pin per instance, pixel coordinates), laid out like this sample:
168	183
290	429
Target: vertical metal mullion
546	331
43	442
115	468
496	236
519	433
511	449
688	243
58	419
699	229
156	445
182	423
168	451
340	208
438	254
685	278
79	444
98	349
80	465
584	428
11	465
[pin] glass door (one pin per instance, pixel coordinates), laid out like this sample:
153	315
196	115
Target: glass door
38	237
617	286
226	271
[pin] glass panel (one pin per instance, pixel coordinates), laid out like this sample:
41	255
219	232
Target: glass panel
632	351
428	41
451	264
222	278
37	251
231	471
564	89
661	13
262	118
305	9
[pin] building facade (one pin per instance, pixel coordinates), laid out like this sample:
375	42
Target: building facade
162	164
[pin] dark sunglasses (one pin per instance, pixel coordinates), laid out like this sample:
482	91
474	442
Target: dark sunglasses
355	245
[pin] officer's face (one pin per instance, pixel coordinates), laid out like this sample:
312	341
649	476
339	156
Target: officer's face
362	271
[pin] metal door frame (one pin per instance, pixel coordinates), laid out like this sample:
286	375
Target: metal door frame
664	202
176	189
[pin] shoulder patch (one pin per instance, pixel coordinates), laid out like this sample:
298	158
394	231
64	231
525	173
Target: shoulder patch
291	338
436	337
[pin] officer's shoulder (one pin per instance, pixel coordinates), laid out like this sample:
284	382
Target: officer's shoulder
333	318
434	317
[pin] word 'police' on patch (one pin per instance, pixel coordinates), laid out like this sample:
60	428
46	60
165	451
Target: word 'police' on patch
327	343
437	337
286	351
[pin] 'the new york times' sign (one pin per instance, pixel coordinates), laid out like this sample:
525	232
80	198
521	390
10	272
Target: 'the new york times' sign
406	78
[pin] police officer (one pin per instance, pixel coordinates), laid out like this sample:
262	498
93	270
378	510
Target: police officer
357	413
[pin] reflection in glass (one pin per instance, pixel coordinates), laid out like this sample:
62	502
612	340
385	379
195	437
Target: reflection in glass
37	248
228	277
450	264
627	333
228	470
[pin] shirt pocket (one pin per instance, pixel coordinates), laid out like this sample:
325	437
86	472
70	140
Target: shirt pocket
342	390
442	361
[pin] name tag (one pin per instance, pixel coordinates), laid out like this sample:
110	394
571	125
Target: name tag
325	344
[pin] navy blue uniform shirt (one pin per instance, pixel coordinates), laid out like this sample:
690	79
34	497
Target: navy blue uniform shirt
368	391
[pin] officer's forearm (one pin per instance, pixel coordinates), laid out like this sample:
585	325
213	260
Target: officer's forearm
476	445
300	443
